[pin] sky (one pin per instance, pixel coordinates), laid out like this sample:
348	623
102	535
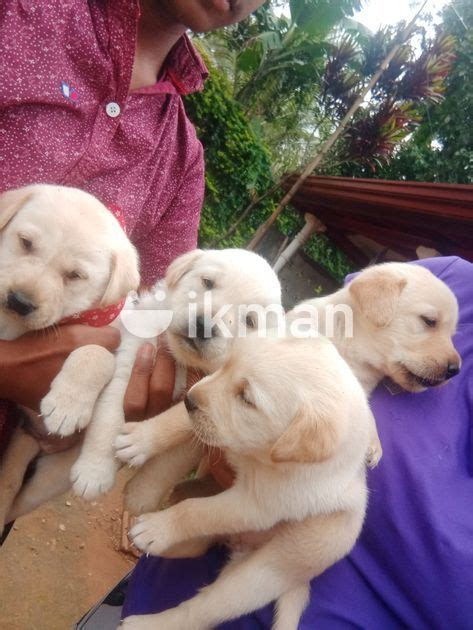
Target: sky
376	13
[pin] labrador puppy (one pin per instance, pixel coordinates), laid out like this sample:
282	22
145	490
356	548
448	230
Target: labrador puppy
61	253
294	422
395	321
403	321
205	293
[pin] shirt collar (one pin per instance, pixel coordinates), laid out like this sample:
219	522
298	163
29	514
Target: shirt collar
185	67
183	72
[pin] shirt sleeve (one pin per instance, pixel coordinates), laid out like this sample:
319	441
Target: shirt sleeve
176	232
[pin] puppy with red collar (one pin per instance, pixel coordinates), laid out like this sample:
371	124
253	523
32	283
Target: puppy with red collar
64	257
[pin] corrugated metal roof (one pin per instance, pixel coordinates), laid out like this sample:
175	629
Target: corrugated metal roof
397	215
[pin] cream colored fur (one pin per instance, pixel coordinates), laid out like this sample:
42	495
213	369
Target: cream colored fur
65	253
390	304
236	276
239	276
300	488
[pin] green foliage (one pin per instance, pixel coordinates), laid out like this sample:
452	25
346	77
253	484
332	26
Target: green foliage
280	84
410	83
275	63
238	166
318	17
319	247
441	148
297	72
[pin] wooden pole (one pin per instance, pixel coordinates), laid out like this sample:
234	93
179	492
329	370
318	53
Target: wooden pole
312	225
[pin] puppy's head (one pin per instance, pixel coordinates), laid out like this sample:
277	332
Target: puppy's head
213	295
61	252
273	400
410	317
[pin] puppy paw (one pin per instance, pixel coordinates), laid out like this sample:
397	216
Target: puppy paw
374	453
65	409
92	478
154	533
69	405
133	445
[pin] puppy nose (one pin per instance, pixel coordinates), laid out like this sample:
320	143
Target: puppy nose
20	304
200	327
203	332
452	370
190	403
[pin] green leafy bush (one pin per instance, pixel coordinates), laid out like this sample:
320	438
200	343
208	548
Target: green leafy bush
238	166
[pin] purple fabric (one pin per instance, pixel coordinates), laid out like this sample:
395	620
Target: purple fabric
413	564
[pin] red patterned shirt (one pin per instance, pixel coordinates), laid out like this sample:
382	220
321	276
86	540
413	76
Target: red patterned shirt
67	116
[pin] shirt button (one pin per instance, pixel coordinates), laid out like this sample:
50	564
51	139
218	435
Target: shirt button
112	109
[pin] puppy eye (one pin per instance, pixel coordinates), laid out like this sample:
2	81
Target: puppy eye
431	323
26	243
208	283
250	322
243	396
72	275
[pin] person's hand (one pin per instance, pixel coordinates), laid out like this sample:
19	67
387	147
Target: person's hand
29	364
220	469
151	384
150	392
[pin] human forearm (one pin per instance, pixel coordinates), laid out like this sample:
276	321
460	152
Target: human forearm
29	364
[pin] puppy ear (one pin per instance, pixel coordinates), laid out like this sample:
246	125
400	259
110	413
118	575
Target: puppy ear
181	266
10	202
124	275
310	438
376	292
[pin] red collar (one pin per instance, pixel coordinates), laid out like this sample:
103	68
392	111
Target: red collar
96	317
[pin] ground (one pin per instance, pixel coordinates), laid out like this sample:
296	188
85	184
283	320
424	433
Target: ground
60	560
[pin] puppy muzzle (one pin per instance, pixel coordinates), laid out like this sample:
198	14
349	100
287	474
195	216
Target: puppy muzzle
452	370
20	303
